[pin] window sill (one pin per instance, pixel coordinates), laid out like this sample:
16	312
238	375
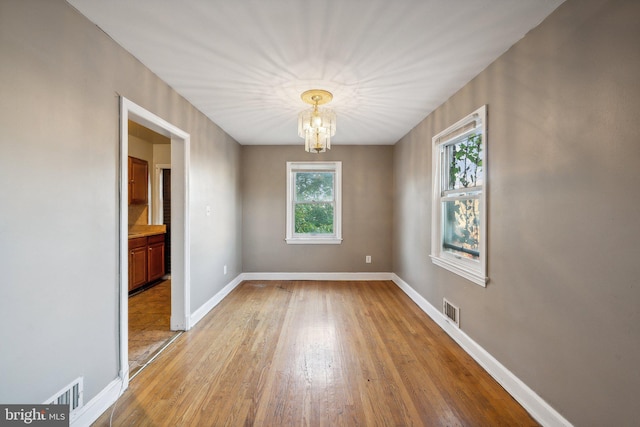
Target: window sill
475	276
313	241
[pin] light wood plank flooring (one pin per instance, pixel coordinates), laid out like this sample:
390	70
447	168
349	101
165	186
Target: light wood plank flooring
313	353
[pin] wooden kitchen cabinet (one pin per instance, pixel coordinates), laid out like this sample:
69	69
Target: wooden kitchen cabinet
137	262
155	257
146	260
138	181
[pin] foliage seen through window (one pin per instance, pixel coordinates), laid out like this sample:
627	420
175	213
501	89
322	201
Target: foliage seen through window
314	203
462	214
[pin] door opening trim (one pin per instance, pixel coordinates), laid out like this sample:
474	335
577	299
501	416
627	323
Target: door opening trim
180	230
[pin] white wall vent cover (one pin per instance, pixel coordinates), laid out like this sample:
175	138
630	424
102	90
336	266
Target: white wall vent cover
70	395
451	312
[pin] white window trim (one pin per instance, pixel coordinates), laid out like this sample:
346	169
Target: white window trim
334	239
473	270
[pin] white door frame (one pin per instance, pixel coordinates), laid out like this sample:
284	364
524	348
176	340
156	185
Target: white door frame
180	237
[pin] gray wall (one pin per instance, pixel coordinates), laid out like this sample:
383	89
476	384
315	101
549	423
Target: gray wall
60	80
366	211
560	311
561	308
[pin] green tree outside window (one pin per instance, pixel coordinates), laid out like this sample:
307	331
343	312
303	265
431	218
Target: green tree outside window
462	225
314	203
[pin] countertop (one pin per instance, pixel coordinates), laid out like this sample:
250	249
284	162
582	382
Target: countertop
146	230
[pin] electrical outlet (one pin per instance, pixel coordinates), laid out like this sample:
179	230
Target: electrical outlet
208	210
224	269
367	259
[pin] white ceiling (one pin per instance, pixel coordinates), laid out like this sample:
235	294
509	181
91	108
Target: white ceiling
244	63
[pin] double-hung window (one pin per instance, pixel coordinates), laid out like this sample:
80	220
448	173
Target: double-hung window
314	202
459	217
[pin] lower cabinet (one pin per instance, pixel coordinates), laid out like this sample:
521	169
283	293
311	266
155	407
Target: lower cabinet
155	257
146	260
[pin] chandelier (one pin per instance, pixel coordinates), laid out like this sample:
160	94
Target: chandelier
315	125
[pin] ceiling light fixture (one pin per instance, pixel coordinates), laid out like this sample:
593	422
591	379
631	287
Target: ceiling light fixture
315	125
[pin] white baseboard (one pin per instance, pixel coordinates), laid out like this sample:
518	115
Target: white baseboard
317	276
197	315
90	412
534	404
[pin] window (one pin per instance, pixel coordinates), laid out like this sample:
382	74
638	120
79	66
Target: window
458	231
314	202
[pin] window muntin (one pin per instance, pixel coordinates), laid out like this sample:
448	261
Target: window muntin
459	208
313	202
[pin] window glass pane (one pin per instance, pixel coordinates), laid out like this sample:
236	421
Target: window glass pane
314	187
464	163
462	227
316	218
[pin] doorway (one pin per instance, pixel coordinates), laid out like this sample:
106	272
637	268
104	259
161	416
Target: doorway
149	295
179	233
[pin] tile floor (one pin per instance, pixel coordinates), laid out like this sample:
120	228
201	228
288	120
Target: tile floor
149	313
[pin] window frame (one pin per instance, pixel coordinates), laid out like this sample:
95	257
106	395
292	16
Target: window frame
471	269
308	238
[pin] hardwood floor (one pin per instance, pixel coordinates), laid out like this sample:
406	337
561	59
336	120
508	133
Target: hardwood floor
290	353
149	327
